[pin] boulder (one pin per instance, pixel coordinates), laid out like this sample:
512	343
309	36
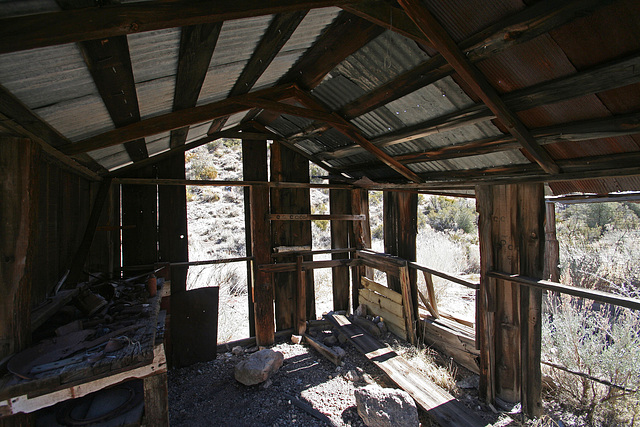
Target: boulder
386	407
258	367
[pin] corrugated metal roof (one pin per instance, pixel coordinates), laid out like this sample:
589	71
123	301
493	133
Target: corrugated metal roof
313	24
10	8
233	50
78	118
112	157
198	131
46	76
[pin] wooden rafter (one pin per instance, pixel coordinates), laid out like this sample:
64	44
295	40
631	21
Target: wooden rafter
511	31
109	63
477	81
346	35
197	43
612	75
94	23
280	30
627	124
171	121
350	130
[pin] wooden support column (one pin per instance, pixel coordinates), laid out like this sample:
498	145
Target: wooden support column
511	232
289	166
156	402
301	298
254	168
173	241
551	246
139	221
340	203
263	290
360	235
19	197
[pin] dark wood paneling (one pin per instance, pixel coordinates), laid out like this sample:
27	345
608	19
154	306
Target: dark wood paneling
173	244
139	209
289	166
340	203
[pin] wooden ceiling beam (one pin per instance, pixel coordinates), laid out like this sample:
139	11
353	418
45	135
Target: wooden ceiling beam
275	37
94	23
523	26
611	75
109	63
609	127
197	43
350	130
346	35
477	81
174	120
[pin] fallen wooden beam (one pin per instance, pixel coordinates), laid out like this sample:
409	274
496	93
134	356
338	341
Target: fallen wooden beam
440	405
329	354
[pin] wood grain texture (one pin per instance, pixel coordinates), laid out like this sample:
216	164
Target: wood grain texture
340	204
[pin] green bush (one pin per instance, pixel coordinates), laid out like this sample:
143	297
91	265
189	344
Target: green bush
450	214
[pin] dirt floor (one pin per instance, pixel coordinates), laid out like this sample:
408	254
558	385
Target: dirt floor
207	394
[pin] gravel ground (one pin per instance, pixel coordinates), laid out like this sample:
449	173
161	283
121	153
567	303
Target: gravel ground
206	394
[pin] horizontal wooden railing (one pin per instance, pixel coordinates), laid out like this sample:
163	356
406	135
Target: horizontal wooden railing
591	294
449	277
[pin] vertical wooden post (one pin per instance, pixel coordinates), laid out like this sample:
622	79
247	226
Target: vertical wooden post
511	231
301	298
18	200
139	210
254	168
410	315
173	242
289	166
531	234
263	292
361	238
340	203
156	403
551	246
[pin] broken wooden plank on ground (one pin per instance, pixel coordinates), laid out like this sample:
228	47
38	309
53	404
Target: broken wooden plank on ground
440	405
329	354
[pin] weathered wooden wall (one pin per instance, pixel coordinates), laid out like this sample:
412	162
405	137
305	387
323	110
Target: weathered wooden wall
340	203
289	166
44	209
139	221
508	323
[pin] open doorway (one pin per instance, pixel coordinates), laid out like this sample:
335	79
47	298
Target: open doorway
215	218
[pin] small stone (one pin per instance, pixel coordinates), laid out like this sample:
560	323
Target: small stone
382	327
296	339
368	379
330	341
377	319
329	377
361	310
237	350
359	370
386	407
265	385
258	367
352	376
252	349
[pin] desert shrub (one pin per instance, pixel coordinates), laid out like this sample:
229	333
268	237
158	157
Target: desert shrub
602	342
450	214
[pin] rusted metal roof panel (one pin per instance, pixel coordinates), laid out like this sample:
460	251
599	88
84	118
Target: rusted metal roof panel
596	186
236	43
594	147
46	76
462	18
313	24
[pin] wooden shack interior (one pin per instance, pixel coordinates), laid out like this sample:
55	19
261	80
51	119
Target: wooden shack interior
506	101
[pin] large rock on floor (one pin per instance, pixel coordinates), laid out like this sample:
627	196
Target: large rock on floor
386	407
258	367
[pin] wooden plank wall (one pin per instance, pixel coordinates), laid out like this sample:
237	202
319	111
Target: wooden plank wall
360	235
44	209
511	231
139	221
289	166
340	203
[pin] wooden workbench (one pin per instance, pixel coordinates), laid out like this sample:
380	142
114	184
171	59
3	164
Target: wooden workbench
142	358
